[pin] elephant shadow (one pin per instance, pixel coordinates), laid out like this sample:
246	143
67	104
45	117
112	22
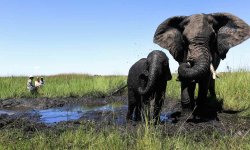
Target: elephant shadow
208	111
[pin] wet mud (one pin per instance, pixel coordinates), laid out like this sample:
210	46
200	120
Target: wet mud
56	113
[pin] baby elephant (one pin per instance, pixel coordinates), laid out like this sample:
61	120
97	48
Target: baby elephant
147	79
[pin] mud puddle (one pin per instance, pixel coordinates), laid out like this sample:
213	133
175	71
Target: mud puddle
8	112
63	113
111	112
68	112
74	112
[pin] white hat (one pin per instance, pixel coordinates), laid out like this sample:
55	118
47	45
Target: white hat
31	76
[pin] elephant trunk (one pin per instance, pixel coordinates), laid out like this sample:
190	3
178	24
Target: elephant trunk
152	77
199	69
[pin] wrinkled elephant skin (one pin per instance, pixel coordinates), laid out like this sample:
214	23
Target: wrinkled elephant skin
147	79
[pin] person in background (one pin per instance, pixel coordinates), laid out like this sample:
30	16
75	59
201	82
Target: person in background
30	85
41	81
37	82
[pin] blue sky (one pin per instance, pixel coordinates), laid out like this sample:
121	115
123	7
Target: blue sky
96	36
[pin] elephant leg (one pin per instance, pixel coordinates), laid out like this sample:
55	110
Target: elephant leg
159	100
203	110
132	101
187	95
138	109
191	90
145	112
212	88
203	90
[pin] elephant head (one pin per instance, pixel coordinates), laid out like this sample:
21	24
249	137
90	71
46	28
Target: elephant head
196	38
158	71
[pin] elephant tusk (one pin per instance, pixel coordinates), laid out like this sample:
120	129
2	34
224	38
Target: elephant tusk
214	74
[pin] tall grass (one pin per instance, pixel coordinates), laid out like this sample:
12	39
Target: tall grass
115	138
173	88
232	88
67	85
235	88
75	85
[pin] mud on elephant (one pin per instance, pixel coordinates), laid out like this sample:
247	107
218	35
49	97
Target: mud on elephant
147	80
199	42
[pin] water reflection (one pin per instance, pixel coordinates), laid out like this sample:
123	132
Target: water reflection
115	113
71	112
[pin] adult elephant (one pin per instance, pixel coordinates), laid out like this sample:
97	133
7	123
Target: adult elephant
147	79
199	42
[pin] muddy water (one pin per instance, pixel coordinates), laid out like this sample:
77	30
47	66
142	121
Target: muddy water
54	111
8	112
71	112
59	114
66	113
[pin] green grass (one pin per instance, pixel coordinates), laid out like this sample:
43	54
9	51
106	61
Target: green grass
115	138
67	85
232	88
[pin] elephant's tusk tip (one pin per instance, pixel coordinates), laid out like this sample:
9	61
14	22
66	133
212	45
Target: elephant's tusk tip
214	74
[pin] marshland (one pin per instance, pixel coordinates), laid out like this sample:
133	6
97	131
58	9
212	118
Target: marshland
107	128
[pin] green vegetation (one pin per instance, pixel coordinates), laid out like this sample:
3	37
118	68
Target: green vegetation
72	85
113	138
66	85
232	88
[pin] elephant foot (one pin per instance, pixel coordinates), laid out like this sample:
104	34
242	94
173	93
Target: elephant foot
187	106
204	114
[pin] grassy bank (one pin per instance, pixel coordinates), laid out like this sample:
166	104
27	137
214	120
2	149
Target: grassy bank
76	85
233	88
113	138
68	85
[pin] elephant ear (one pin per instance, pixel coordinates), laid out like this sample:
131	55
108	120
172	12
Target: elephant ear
168	35
231	31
